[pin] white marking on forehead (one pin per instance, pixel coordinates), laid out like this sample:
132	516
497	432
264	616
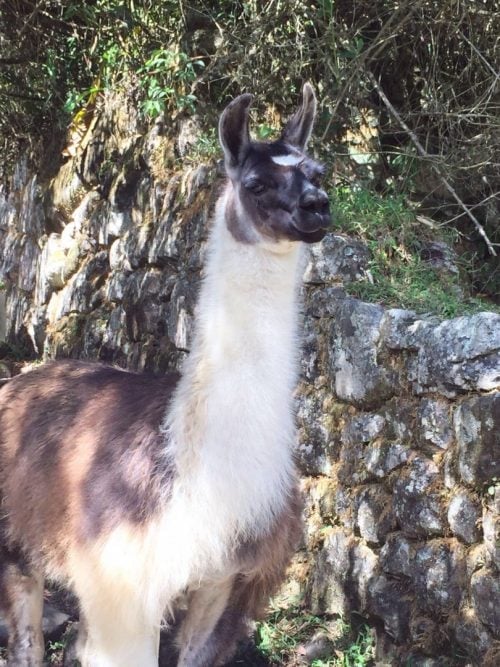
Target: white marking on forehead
288	160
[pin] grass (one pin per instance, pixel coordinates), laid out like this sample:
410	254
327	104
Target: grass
395	237
54	652
282	639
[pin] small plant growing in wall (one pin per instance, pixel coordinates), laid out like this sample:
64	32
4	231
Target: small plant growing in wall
165	79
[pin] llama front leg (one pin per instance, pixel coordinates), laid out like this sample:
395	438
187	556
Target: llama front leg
109	645
21	599
197	640
114	635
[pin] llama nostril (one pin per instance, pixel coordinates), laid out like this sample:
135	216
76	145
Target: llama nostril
316	202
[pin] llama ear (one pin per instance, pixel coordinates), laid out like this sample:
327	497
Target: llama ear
298	129
234	136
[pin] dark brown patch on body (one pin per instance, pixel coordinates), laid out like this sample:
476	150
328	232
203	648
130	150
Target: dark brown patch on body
270	553
80	450
131	470
263	563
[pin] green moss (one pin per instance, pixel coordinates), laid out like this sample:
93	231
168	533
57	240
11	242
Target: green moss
399	277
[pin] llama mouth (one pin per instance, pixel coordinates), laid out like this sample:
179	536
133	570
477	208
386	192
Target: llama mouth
310	236
314	234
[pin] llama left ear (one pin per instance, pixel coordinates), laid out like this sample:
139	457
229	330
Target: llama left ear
298	130
234	136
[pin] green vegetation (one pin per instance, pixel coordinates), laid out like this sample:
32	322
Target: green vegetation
205	148
281	639
54	651
398	243
57	57
165	78
390	77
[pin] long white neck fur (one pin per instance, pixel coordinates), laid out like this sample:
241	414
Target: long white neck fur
244	351
230	426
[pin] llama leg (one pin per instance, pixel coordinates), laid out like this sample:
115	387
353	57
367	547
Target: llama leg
115	635
21	599
196	638
74	649
248	600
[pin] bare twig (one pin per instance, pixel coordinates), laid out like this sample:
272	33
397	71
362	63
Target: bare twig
478	53
400	17
494	195
421	150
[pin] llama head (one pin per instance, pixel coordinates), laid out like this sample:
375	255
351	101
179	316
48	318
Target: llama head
276	188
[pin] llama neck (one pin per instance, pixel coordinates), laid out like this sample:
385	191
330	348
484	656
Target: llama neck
238	380
247	308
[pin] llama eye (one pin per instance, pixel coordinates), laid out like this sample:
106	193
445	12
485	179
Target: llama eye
256	187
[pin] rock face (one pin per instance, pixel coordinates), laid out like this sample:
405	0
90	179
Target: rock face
398	416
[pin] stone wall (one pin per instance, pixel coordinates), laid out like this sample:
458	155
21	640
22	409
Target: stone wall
398	414
399	430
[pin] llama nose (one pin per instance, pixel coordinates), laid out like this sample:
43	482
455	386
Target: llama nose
314	201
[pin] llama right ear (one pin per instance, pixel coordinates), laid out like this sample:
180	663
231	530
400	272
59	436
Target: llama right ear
234	135
298	130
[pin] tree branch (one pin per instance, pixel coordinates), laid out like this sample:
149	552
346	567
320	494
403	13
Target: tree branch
421	150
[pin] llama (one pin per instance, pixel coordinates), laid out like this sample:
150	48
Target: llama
146	494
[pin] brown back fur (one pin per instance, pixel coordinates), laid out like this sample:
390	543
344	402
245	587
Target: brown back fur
80	450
